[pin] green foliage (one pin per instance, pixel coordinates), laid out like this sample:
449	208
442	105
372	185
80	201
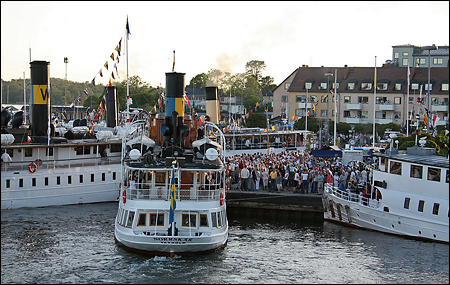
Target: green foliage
252	92
198	81
143	95
343	128
256	120
255	68
313	124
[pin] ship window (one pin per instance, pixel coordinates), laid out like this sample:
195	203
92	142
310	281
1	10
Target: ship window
69	179
416	171
421	204
446	177
214	219
21	182
130	219
58	180
396	168
142	219
8	183
436	209
434	174
406	205
114	175
81	178
46	181
78	150
33	181
103	177
124	218
92	177
49	151
189	220
219	219
119	215
156	221
87	149
28	152
203	220
115	148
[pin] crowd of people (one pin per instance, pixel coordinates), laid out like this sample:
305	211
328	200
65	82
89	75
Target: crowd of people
296	171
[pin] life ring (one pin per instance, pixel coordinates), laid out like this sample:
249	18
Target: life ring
124	196
38	162
221	198
32	167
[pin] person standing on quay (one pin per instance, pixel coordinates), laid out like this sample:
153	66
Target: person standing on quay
273	177
245	174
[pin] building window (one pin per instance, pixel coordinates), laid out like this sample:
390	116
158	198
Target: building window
337	85
406	204
350	86
398	86
437	61
363	100
284	98
444	87
299	112
415	86
434	174
405	54
313	99
363	114
421	61
396	55
346	114
405	62
346	99
382	86
426	86
323	113
396	168
434	101
366	86
287	85
397	114
381	100
323	86
397	100
421	204
308	85
300	98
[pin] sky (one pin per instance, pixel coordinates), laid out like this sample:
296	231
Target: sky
210	34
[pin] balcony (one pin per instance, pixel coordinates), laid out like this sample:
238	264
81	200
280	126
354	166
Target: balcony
387	107
353	120
385	121
302	105
439	108
355	106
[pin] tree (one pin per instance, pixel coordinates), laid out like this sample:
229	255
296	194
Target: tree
198	81
255	68
313	125
252	92
267	83
256	120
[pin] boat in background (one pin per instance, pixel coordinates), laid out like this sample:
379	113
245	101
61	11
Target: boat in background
173	190
408	196
56	165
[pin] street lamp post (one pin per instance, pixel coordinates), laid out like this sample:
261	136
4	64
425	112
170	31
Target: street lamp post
328	74
335	107
429	48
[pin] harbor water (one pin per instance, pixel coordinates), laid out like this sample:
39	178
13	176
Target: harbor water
75	244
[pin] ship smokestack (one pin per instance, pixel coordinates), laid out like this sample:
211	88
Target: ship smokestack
212	104
40	97
112	108
173	129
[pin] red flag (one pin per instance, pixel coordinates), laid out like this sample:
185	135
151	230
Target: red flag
110	85
112	74
101	74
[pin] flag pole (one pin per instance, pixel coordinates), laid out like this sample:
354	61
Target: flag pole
407	103
128	86
335	107
374	101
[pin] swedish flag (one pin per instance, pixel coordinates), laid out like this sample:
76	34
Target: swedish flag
173	198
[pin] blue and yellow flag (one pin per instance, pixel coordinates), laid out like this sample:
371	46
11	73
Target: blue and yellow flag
314	109
173	197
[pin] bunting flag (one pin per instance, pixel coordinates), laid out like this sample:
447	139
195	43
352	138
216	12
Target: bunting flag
64	114
86	91
112	56
119	47
425	119
412	114
112	74
324	97
100	109
72	106
106	65
173	197
93	81
117	71
434	121
293	118
79	98
173	67
314	109
110	84
100	72
117	58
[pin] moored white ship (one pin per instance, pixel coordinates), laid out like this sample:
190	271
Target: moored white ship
409	197
172	198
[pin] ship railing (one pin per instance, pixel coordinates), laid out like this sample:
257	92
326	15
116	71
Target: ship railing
351	196
186	192
60	163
